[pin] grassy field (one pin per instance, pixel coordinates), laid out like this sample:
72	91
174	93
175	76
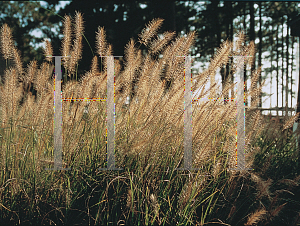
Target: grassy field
149	143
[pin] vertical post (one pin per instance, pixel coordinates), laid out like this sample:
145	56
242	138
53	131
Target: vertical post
240	114
187	117
110	104
240	153
296	124
57	117
298	102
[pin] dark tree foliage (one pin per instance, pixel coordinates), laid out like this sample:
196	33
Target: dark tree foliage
214	22
22	18
121	21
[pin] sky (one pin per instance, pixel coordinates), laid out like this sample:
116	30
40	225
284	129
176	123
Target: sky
37	32
267	101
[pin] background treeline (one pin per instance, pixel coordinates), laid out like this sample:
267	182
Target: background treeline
265	23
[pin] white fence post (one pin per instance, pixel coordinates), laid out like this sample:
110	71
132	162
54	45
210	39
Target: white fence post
188	130
111	112
110	103
57	150
240	138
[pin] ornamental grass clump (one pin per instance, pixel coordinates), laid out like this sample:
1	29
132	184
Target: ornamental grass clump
148	137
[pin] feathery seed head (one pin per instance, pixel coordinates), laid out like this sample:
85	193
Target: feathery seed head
6	42
101	41
48	51
150	30
255	217
94	66
130	53
18	61
66	42
160	43
10	95
31	70
108	52
77	43
79	24
76	53
290	122
252	51
189	41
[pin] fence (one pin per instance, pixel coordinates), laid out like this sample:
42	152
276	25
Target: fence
110	102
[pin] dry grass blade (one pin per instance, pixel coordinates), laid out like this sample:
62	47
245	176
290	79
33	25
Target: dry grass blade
48	51
160	43
10	95
130	54
232	211
77	45
257	216
108	52
94	66
221	57
157	115
41	78
66	42
129	198
6	42
78	24
101	41
18	61
175	48
256	122
290	122
42	106
254	80
263	186
189	41
87	83
31	71
277	210
154	204
27	107
150	30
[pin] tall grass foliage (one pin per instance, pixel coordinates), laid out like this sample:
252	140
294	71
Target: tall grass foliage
149	139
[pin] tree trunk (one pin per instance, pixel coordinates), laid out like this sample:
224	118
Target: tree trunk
260	49
282	66
277	67
298	98
252	38
231	39
245	66
287	68
271	43
292	69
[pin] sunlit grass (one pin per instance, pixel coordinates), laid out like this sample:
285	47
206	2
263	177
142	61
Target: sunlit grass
148	146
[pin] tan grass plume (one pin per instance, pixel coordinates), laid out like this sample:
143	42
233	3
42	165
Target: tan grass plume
6	42
66	42
101	41
76	50
255	217
48	51
149	31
